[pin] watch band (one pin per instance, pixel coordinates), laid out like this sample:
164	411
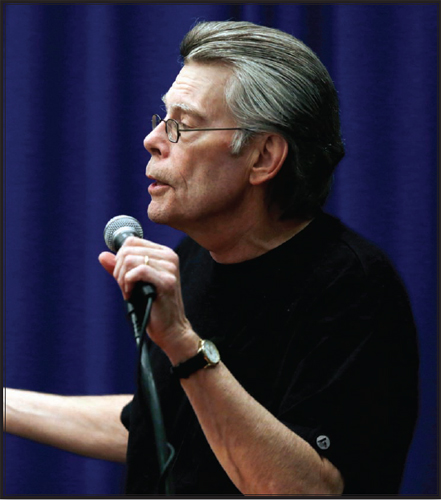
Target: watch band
197	362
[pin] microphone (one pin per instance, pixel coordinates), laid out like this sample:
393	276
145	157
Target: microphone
138	307
117	230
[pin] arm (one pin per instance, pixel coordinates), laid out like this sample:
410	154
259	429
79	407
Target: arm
259	454
87	425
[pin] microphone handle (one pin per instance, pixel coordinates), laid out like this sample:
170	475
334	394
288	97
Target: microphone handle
136	305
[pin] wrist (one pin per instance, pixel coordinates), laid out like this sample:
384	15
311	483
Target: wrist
184	348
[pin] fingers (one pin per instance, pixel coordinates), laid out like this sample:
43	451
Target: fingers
133	241
108	261
142	273
141	260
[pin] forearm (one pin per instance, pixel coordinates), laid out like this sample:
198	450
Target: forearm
87	425
260	454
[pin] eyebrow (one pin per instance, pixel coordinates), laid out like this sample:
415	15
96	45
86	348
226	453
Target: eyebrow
184	107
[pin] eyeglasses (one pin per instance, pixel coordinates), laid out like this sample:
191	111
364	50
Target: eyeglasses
173	130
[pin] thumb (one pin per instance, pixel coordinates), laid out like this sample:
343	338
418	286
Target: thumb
108	261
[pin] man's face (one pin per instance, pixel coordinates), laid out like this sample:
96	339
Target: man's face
198	183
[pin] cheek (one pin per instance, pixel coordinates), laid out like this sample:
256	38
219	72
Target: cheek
212	180
215	191
211	172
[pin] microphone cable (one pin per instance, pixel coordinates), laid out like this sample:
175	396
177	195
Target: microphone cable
164	450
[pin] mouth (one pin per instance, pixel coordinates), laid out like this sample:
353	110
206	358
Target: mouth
157	186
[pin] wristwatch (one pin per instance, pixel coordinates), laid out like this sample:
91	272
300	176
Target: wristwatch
206	357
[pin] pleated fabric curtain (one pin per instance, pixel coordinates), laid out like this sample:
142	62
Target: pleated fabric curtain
81	81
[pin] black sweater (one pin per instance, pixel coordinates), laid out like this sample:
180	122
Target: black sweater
320	332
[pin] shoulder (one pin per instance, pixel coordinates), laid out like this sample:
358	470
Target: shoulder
342	265
345	248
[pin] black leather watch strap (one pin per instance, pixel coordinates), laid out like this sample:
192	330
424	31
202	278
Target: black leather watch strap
207	356
185	369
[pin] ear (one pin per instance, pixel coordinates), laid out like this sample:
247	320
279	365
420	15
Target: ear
272	151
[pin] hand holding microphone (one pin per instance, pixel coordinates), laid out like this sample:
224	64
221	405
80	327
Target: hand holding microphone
142	267
116	232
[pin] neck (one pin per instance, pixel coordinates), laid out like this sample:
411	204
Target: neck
238	242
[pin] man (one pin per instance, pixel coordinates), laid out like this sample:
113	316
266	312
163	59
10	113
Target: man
315	391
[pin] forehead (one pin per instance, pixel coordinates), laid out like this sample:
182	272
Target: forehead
199	88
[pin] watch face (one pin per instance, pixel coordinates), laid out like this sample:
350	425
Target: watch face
211	352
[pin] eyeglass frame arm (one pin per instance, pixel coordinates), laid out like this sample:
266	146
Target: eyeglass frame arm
179	130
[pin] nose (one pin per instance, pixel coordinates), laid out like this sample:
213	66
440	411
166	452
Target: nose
156	142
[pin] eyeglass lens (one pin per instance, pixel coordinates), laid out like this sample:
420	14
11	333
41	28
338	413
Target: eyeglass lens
171	127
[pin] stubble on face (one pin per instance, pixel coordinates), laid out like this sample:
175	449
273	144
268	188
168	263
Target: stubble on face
198	180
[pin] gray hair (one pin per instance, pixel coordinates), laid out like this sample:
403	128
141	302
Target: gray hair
277	85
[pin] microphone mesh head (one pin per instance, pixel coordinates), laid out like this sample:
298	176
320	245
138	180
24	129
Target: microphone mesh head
118	222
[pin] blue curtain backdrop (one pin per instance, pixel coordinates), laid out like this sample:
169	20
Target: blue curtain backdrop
81	82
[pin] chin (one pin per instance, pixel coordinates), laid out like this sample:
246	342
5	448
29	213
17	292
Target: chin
160	216
156	216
